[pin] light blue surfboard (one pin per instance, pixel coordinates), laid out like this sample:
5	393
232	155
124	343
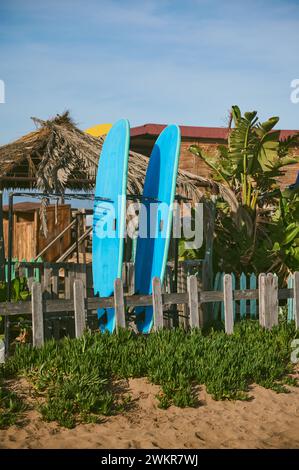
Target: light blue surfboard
155	222
109	217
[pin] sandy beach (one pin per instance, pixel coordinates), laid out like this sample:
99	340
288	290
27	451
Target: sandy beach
268	420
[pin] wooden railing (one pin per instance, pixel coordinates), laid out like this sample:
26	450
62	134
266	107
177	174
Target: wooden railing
267	294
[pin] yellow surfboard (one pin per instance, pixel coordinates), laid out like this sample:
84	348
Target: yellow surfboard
99	130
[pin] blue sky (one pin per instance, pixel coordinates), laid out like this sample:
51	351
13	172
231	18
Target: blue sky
149	61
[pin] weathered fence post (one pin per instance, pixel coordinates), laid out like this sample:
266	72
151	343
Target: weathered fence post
69	274
252	284
228	304
193	301
79	307
55	282
271	317
37	314
157	303
46	281
296	299
30	279
119	304
131	278
262	298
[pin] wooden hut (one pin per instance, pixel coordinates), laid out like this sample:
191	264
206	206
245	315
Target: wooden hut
29	239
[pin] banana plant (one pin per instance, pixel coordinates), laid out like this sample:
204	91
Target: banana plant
267	236
253	159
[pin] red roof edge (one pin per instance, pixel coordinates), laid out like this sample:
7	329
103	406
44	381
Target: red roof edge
195	132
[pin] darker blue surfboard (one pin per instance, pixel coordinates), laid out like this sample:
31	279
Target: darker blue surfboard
109	217
156	221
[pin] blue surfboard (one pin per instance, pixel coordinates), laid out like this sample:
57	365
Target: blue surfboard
155	218
109	217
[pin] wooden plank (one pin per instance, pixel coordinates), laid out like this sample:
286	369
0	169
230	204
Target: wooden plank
119	304
252	284
216	305
93	303
79	308
243	285
71	276
290	300
285	293
228	304
262	298
46	281
193	301
296	299
80	273
30	279
55	282
131	278
272	293
182	287
157	303
37	314
234	288
222	304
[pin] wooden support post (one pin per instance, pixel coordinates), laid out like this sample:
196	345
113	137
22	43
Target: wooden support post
296	299
228	304
46	281
131	278
271	317
262	298
157	303
119	304
55	282
80	273
69	277
193	301
30	279
37	314
79	308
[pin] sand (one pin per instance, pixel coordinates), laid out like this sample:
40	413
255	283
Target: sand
269	420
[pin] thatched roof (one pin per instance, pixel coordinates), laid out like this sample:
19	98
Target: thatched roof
58	156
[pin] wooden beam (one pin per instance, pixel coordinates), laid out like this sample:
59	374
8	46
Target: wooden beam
37	314
193	301
228	304
262	298
157	303
119	305
79	308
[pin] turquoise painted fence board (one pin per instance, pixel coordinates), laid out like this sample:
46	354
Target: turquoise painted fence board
13	268
252	285
243	302
217	287
290	301
222	303
244	282
36	274
234	303
25	270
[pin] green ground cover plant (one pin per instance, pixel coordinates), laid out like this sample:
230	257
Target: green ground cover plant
76	380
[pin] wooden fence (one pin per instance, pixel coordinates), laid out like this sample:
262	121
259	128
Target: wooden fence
244	307
267	294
